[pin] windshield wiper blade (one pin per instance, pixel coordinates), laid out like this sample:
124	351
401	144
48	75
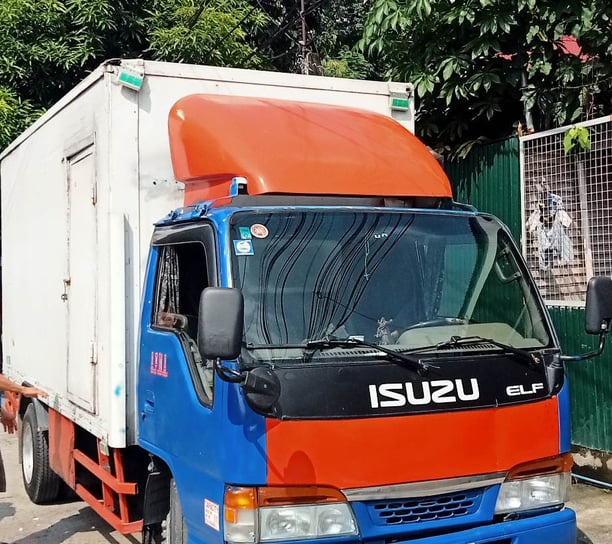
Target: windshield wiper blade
415	363
250	346
523	355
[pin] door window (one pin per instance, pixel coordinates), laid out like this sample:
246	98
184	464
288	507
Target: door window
181	277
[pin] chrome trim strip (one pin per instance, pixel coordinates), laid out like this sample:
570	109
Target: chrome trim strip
423	489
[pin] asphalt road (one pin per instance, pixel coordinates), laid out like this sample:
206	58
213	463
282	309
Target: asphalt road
22	522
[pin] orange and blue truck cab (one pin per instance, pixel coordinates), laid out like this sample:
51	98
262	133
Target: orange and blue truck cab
333	351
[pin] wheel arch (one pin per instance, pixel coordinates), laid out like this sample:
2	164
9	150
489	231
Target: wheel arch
42	416
42	410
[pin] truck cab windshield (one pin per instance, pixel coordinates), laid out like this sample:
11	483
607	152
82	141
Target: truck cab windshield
398	279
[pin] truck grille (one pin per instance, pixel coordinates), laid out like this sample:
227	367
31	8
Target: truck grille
403	511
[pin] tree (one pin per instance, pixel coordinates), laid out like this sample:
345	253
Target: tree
48	46
333	28
341	26
15	115
482	66
217	32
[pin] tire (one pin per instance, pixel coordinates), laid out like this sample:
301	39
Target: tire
41	483
582	538
175	530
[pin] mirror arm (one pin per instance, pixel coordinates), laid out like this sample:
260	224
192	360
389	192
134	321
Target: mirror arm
584	356
227	374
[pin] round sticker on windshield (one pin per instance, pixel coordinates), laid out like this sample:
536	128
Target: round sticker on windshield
259	231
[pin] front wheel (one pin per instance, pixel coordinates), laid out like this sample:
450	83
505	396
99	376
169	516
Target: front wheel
41	483
175	530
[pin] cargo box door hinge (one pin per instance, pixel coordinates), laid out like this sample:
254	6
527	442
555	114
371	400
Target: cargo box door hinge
94	354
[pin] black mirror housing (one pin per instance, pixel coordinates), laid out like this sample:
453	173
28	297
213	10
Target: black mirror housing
598	308
221	322
262	389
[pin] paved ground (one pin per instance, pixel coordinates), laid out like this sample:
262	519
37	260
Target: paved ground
593	508
22	522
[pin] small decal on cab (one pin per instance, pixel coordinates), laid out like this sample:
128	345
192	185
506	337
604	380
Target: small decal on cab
159	364
211	514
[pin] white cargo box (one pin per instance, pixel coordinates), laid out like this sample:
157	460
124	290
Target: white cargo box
80	192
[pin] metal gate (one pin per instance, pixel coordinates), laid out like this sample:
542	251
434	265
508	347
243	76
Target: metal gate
566	205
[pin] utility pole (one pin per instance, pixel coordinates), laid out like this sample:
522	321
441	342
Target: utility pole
304	38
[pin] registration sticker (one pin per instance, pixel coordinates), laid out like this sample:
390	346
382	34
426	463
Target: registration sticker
259	231
243	247
211	514
245	233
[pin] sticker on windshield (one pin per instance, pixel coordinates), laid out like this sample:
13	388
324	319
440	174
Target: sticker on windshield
243	247
259	231
245	233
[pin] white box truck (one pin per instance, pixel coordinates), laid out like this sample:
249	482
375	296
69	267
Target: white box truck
260	317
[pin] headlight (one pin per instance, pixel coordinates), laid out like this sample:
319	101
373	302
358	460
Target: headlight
295	522
285	513
535	485
532	493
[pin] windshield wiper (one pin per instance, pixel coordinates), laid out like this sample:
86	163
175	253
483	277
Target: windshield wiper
523	355
250	346
415	363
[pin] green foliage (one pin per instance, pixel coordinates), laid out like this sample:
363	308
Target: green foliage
348	63
333	28
47	46
576	139
15	115
213	32
479	64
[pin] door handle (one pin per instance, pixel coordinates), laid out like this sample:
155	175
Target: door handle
149	404
64	296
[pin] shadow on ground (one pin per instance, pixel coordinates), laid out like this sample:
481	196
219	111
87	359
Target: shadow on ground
582	538
79	523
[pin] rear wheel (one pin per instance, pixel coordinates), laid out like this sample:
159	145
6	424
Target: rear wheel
40	482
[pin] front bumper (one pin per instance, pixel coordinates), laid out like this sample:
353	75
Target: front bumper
554	528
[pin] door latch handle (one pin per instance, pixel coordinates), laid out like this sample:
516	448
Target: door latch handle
64	295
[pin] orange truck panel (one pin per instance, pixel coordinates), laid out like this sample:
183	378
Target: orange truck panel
381	451
281	146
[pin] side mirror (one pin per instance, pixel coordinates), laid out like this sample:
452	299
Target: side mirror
221	322
597	315
598	308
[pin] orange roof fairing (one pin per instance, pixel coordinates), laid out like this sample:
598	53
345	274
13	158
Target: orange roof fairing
288	147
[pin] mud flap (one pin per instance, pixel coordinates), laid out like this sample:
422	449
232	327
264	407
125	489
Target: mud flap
157	498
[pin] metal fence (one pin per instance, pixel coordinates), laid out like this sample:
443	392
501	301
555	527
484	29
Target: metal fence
489	179
566	203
